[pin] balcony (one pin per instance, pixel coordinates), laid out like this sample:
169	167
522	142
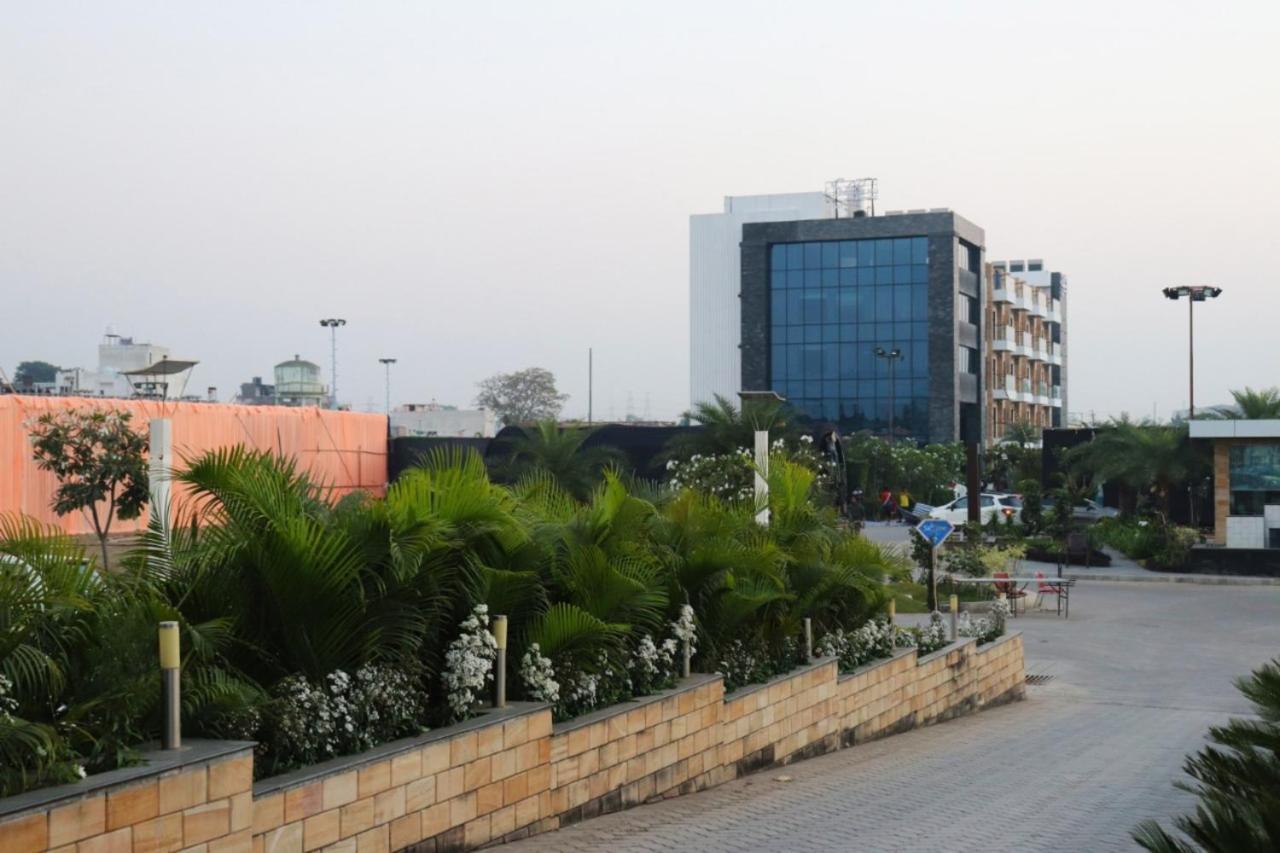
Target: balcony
1054	314
1004	340
1054	353
1001	293
1006	391
1038	307
1055	396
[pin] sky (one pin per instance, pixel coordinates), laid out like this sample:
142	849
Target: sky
482	187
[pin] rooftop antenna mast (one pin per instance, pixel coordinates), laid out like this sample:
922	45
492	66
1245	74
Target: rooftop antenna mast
852	197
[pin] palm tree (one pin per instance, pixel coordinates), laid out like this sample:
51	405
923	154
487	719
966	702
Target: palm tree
725	428
1022	433
561	453
1263	404
1237	780
1140	457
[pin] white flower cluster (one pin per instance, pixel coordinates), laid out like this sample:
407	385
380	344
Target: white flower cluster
468	664
875	639
653	666
344	714
539	676
726	475
685	629
933	637
7	703
985	628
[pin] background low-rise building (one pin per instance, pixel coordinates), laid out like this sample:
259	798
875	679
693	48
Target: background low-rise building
435	419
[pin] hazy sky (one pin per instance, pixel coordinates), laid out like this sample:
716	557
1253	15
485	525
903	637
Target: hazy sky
480	187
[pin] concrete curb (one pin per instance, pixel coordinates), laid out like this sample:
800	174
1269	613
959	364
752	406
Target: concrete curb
1159	577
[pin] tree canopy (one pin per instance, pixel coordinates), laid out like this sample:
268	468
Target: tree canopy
523	397
31	372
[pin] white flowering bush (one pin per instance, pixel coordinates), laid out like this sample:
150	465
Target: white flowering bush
728	476
685	629
874	640
469	663
654	666
985	628
927	639
539	676
308	722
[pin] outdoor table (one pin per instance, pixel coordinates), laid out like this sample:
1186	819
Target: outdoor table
1064	584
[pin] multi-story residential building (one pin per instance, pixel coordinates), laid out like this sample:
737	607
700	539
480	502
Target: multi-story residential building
1025	348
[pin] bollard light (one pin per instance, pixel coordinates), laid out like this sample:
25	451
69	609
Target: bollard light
955	623
955	603
893	609
500	670
808	638
170	682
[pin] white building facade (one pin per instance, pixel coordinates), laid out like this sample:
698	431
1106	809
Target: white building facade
427	419
715	272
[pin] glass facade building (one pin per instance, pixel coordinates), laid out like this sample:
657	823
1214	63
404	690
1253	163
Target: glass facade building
832	303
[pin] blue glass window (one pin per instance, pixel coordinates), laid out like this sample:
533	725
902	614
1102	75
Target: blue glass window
812	256
779	307
832	304
902	250
830	255
919	250
795	256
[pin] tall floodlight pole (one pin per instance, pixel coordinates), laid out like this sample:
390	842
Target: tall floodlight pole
1194	293
891	356
387	362
332	324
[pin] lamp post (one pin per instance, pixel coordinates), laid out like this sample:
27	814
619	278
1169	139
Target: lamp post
1194	293
891	356
387	362
332	324
761	452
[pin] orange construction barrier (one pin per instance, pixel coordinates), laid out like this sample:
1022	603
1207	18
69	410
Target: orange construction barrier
345	451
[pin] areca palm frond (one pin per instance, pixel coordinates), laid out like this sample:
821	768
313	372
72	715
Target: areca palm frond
1263	404
725	428
563	453
1236	777
566	630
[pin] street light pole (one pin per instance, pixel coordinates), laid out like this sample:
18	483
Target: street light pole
891	356
387	362
1193	293
332	324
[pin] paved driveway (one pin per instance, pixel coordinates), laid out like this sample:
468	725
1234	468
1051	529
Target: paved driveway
1138	674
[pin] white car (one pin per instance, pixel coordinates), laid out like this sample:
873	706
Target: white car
1086	510
989	505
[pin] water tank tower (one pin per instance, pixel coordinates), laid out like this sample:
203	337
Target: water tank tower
298	383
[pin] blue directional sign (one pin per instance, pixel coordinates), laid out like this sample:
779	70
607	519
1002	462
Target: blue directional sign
935	530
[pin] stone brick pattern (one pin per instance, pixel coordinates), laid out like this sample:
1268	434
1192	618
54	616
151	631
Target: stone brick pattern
516	775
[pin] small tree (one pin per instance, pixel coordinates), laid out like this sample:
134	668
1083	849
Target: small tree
97	457
31	372
523	397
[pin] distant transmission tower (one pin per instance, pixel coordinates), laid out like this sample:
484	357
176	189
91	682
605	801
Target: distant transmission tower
852	197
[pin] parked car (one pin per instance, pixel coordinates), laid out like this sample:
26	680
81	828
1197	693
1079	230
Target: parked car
1086	510
990	505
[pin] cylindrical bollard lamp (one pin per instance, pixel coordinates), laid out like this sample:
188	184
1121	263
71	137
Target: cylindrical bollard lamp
500	672
893	609
170	684
955	616
808	638
686	666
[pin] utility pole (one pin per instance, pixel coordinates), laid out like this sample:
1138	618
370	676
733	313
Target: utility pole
590	382
891	356
332	324
1193	293
387	362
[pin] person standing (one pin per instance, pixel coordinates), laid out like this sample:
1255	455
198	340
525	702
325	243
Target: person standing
886	503
904	505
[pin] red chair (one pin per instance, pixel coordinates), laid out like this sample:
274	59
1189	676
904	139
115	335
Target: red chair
1044	587
1011	590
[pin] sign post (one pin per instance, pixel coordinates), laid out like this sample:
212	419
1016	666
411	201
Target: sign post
934	531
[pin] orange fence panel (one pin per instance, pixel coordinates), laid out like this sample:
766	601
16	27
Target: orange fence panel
346	451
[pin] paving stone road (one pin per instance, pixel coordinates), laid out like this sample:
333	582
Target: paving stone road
1138	674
